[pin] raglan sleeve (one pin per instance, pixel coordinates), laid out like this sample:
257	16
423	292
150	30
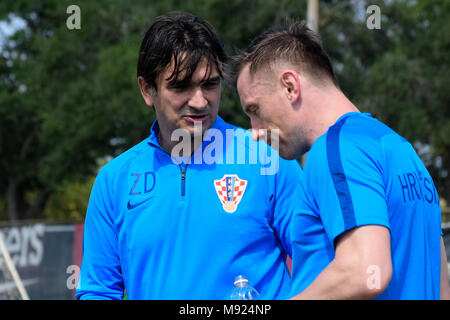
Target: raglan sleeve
347	183
100	274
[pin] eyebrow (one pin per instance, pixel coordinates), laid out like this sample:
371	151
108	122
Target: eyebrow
178	84
187	82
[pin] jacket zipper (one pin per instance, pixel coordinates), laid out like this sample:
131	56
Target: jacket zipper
183	174
183	179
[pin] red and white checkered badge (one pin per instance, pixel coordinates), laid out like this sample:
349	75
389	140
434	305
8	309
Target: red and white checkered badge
230	190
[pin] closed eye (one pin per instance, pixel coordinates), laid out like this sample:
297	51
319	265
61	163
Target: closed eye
211	83
251	110
179	86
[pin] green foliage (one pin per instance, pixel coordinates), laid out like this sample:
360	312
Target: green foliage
406	85
69	201
70	97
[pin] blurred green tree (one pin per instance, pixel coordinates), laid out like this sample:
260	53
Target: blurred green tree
69	98
405	84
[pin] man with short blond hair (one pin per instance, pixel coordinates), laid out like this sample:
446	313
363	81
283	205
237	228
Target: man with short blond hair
369	222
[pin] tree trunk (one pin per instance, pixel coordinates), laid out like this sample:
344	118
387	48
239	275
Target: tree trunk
18	208
13	200
34	211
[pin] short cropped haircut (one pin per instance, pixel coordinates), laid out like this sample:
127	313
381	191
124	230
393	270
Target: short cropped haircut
183	37
296	44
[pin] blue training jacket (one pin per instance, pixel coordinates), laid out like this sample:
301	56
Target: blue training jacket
163	230
361	172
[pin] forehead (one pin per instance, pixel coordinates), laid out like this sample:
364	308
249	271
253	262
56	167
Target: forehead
250	86
179	71
245	83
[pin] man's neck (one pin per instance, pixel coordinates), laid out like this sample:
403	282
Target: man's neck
326	110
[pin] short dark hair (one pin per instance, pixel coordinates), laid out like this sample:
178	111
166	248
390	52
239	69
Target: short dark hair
183	37
296	44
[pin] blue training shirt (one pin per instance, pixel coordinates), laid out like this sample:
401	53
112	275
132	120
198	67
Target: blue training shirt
360	172
163	230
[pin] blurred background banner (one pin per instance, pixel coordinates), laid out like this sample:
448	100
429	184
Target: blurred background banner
69	99
47	257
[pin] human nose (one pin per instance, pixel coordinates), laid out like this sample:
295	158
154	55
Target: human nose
258	133
198	99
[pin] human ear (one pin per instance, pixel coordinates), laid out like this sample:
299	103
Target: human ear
290	83
146	91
